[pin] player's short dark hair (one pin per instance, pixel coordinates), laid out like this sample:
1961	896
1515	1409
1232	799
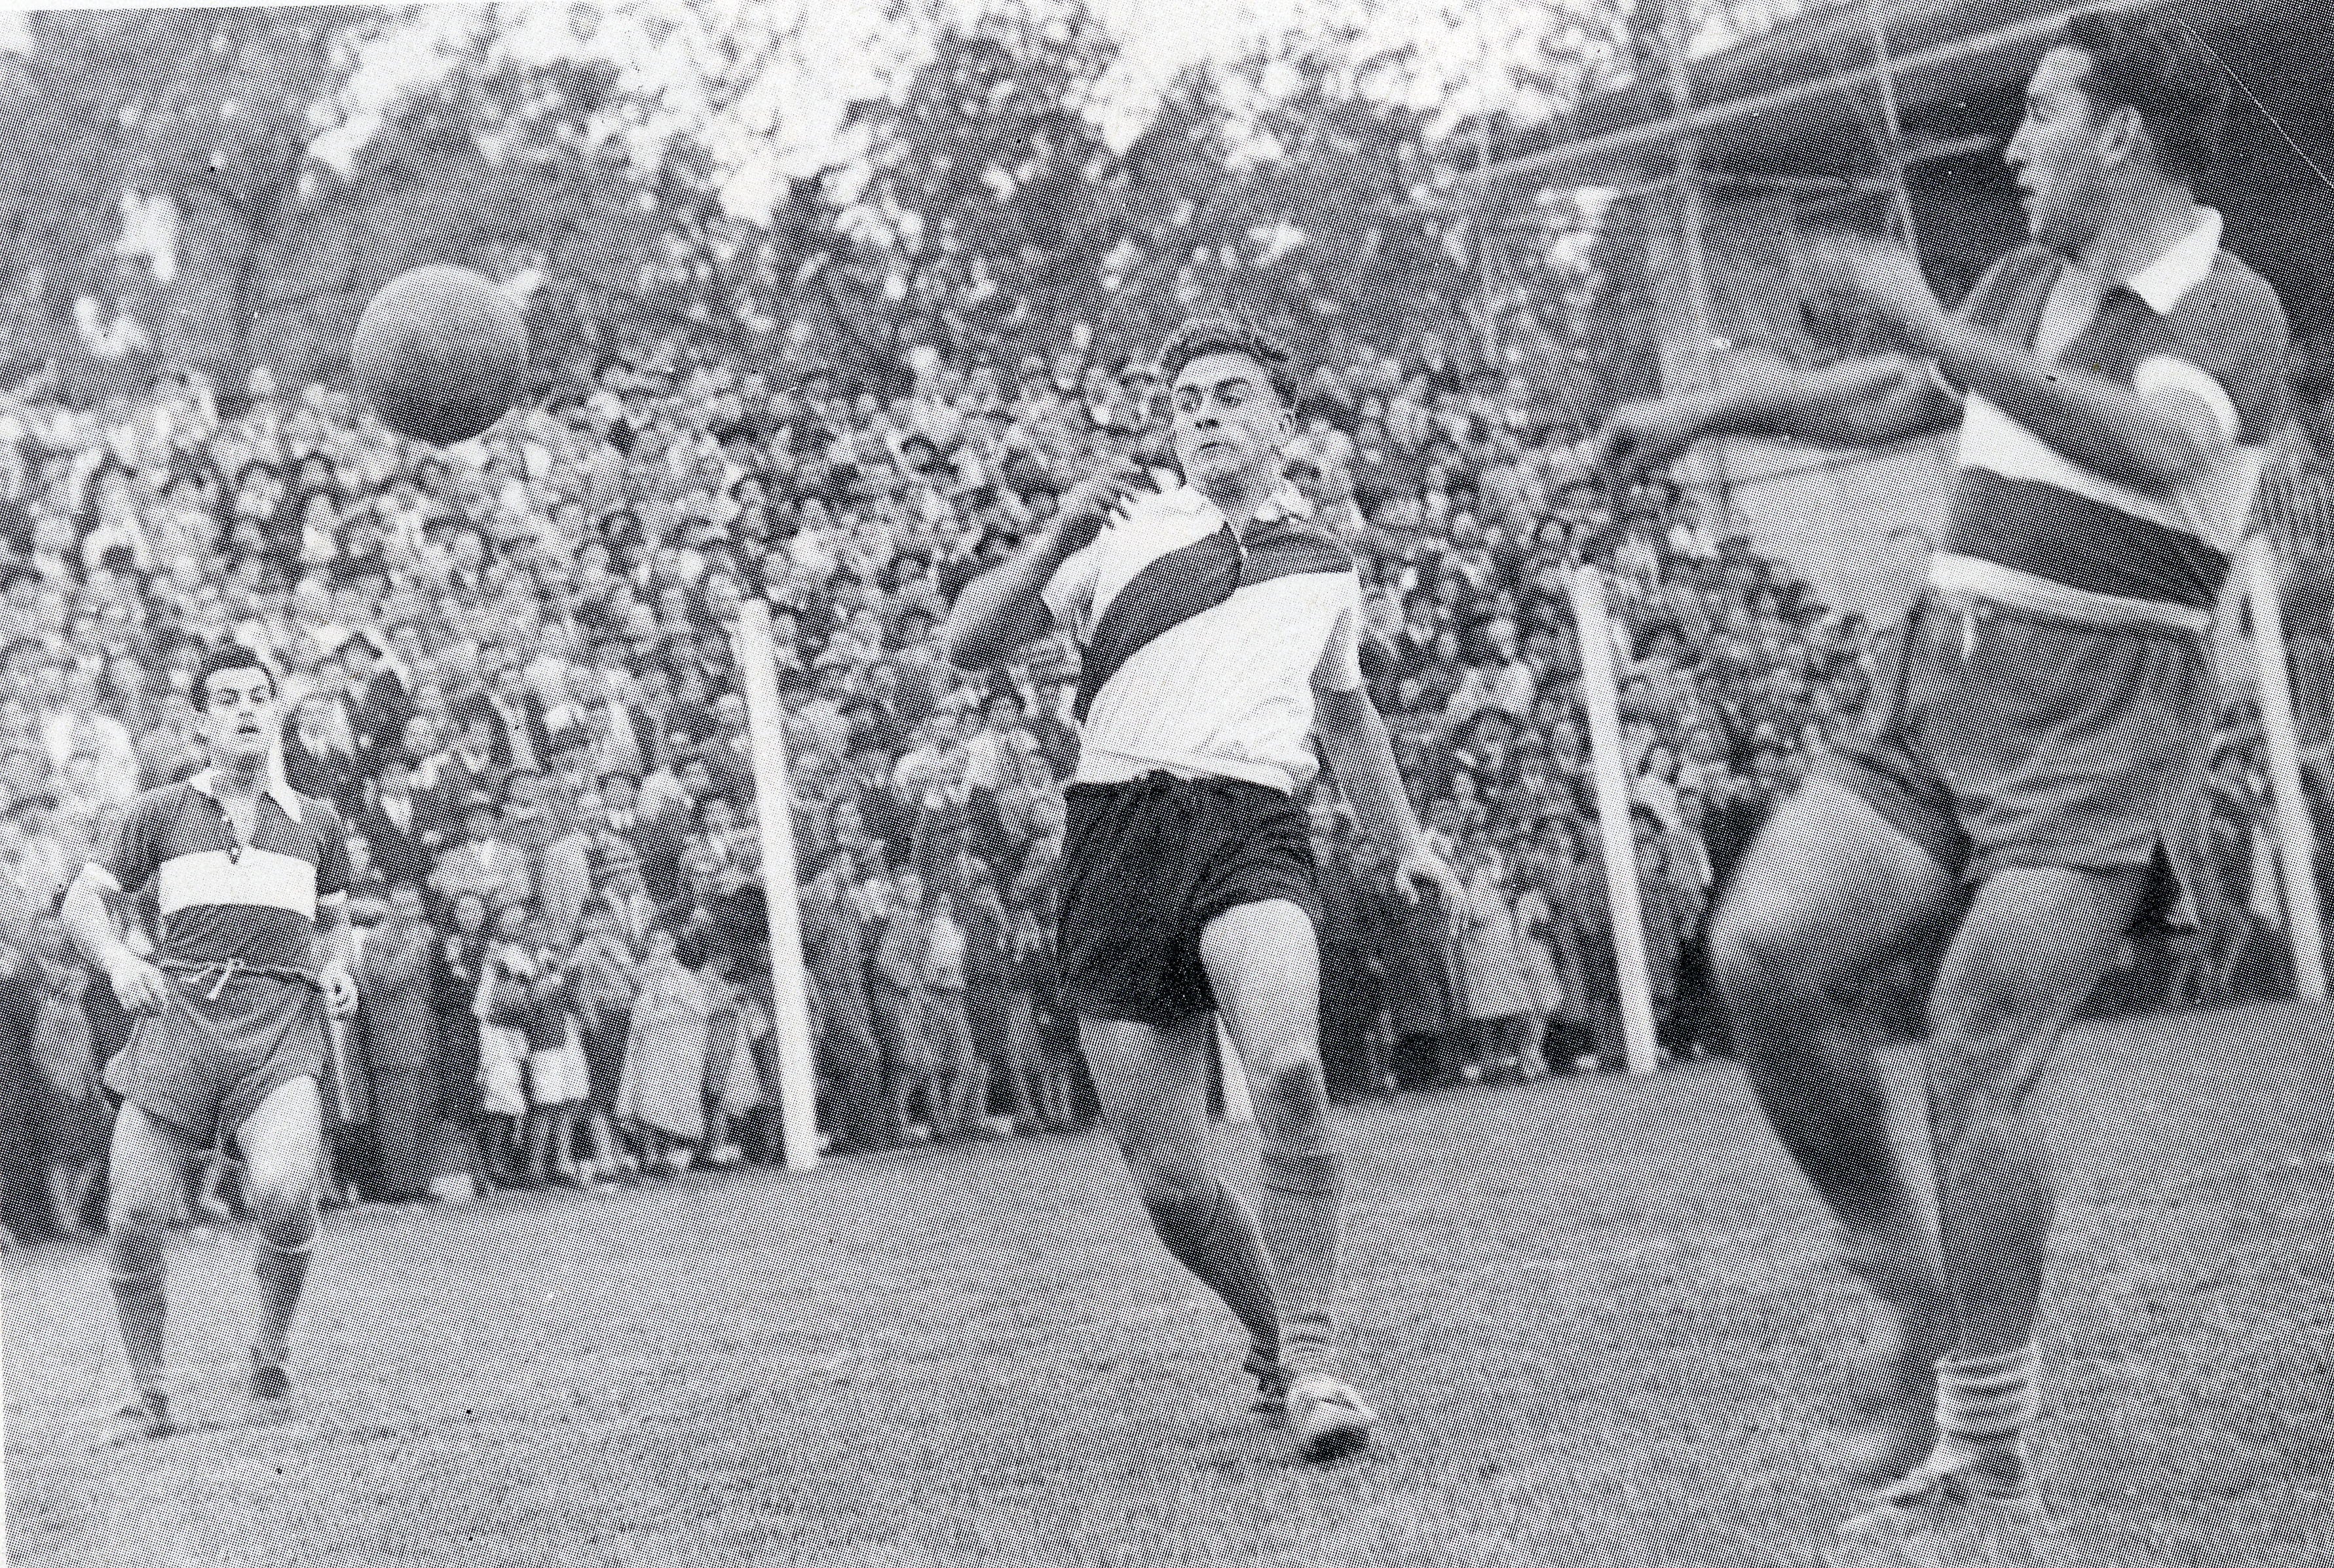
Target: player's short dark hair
1221	335
228	656
2158	67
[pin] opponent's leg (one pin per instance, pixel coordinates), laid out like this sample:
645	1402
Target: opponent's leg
2035	946
147	1164
1153	1088
1264	967
1830	890
280	1141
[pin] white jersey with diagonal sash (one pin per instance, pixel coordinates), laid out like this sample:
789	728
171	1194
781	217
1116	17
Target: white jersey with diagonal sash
1202	647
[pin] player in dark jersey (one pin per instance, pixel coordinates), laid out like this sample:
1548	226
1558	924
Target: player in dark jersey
251	880
2042	729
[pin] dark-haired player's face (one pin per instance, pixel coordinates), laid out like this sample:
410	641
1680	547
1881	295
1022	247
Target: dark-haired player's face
1230	423
2058	153
239	715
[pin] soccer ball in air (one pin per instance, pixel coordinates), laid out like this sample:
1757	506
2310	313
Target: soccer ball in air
440	353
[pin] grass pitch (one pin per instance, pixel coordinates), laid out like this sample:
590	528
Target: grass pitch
1597	1316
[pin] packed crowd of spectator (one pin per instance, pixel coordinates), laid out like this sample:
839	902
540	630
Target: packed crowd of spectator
512	667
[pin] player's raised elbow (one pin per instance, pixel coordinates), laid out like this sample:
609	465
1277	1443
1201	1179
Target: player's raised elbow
2184	432
89	889
963	653
1901	399
86	911
979	632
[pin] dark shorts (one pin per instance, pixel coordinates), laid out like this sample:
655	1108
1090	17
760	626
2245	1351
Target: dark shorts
1146	865
2001	739
204	1065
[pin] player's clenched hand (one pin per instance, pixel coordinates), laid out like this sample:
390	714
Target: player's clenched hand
138	985
1643	435
1422	870
1092	500
340	989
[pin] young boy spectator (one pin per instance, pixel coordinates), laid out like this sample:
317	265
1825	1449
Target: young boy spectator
601	984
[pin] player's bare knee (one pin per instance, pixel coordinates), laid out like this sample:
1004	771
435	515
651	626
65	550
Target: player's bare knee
1988	1025
1292	1106
1991	1147
290	1225
284	1211
135	1224
1980	1080
1171	1179
1759	961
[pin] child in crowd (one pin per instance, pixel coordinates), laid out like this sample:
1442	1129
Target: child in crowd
505	1009
601	977
557	1071
958	1090
1498	999
734	1027
458	972
910	1066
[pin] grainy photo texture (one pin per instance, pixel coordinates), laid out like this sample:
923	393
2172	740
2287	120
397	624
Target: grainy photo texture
1062	782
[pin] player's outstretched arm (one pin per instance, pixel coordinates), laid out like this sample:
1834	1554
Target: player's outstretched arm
2156	439
2156	443
1864	402
1004	608
88	915
1354	743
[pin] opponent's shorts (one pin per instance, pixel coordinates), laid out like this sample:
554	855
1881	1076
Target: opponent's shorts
2003	739
223	1045
1146	864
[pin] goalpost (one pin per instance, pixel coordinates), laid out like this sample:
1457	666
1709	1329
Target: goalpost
797	1086
1600	694
2296	849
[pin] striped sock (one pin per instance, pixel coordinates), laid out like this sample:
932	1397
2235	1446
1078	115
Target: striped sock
1984	1405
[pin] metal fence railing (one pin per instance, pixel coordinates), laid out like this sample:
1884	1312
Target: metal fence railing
2296	508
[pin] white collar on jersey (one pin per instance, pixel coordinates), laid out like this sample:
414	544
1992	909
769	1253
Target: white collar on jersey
279	788
1284	502
2166	281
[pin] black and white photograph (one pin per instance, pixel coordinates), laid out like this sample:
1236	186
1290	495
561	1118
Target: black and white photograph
1275	784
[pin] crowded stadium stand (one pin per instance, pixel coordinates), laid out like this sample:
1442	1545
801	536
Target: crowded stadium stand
511	665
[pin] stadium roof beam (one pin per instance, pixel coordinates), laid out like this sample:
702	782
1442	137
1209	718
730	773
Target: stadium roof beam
1930	74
